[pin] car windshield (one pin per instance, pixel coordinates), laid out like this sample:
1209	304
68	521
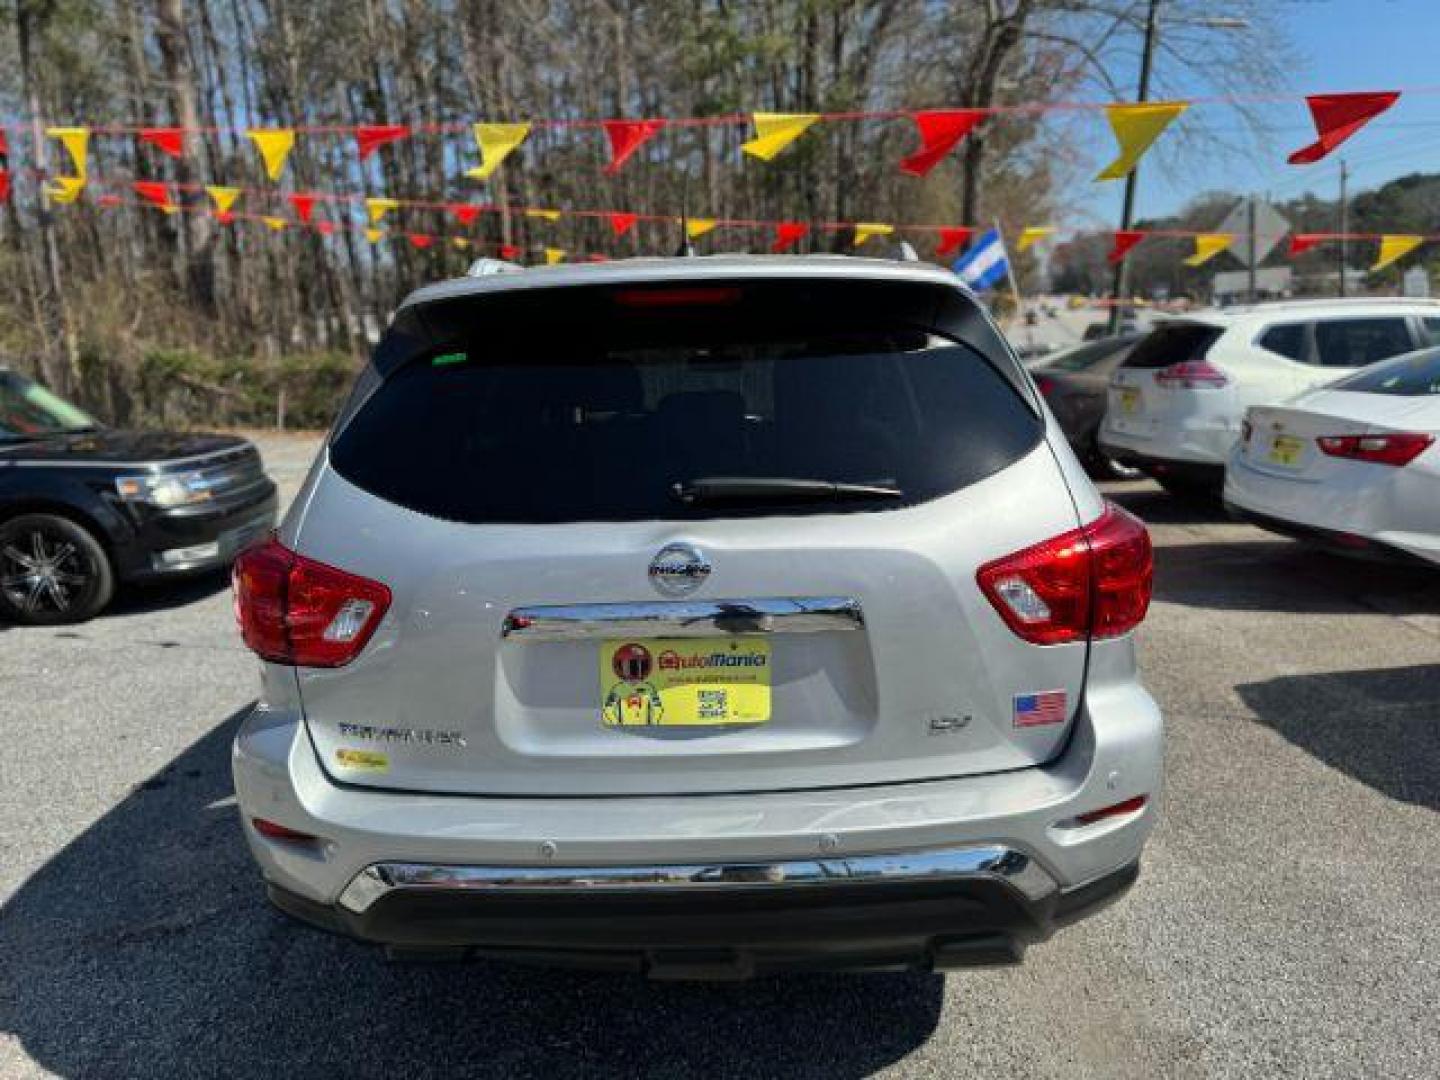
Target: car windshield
1413	375
28	411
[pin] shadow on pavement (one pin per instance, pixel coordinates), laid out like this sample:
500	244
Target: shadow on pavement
1381	727
145	948
1285	576
162	595
1154	505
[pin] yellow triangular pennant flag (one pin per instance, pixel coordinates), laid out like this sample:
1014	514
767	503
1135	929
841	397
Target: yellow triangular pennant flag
1136	127
1030	235
76	141
554	255
224	197
548	215
274	145
775	131
1207	246
697	227
460	242
1395	246
495	142
66	190
378	208
374	235
275	223
866	230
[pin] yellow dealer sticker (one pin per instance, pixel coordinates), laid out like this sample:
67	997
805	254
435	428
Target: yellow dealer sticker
363	760
685	682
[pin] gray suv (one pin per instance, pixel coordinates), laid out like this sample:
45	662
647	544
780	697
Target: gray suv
698	617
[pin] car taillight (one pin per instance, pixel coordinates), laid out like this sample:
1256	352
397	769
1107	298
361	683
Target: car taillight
1093	582
1399	448
1044	384
1192	375
294	610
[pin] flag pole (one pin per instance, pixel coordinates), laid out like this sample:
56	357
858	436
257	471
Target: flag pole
1014	288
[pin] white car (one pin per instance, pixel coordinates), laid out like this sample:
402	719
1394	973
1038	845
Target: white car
1174	407
1354	466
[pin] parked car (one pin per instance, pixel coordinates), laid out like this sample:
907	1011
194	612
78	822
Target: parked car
698	617
83	507
1176	402
1075	383
1354	466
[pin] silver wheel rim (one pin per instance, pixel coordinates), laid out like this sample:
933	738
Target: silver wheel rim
42	571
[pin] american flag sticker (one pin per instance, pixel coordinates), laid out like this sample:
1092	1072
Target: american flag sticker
1039	709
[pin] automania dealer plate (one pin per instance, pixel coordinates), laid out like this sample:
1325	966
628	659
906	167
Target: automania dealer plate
1286	450
685	682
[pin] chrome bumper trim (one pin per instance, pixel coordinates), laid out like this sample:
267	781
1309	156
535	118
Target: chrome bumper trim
684	618
991	861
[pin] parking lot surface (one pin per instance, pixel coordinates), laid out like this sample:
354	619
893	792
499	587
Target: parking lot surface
1286	923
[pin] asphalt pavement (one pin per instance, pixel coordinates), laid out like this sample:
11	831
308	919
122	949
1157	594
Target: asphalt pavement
1286	923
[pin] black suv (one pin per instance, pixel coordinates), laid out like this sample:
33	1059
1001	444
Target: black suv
83	507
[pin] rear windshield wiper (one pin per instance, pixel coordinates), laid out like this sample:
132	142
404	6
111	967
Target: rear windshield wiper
782	489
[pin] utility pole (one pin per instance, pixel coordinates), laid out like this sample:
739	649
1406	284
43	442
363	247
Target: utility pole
1250	242
1120	285
1344	227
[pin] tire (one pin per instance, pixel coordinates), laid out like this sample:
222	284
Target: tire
78	580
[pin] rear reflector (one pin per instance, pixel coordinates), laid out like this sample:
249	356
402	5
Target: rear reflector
273	830
294	610
1192	375
1091	582
1120	809
1399	448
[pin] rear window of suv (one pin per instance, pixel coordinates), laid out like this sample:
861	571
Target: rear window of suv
1174	343
1417	375
545	415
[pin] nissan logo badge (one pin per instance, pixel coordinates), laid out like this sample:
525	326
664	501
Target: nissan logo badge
678	569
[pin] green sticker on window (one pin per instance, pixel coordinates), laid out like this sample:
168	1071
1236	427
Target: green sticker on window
449	358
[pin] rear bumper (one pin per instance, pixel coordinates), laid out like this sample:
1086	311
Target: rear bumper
1339	542
1204	439
1200	474
1024	820
984	910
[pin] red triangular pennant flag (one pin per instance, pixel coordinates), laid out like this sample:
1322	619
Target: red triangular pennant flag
156	194
786	235
620	224
304	206
951	239
1302	242
1337	117
464	212
627	136
1125	239
509	251
374	137
939	130
420	240
4	184
170	140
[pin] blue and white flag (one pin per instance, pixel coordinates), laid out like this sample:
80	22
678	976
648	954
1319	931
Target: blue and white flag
985	263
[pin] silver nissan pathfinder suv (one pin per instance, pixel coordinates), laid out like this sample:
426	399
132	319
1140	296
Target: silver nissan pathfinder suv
698	617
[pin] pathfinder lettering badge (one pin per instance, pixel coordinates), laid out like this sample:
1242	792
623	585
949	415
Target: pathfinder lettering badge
685	682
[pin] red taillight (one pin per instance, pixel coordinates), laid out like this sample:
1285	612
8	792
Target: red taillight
1192	375
1044	384
1120	809
1090	582
1399	448
273	830
294	610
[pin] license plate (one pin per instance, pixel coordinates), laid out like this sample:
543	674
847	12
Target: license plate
1286	450
1129	400
685	682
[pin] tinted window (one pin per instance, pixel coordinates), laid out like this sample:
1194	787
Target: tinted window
1287	339
1360	342
1417	375
1172	344
579	426
1432	327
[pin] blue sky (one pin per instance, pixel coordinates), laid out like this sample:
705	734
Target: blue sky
1338	45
